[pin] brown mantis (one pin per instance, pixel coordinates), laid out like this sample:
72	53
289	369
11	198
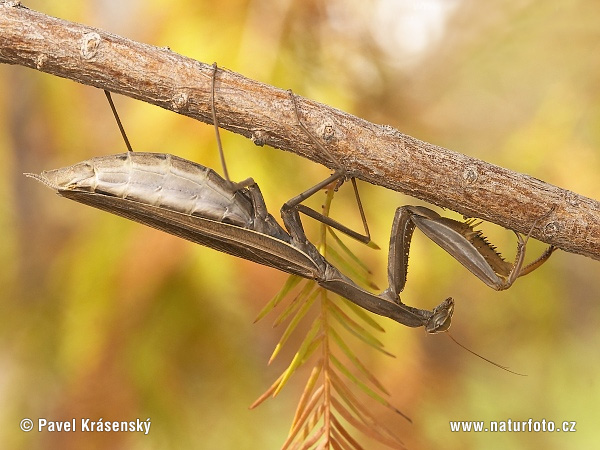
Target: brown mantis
191	201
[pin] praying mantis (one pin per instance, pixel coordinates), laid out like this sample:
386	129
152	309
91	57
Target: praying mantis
192	201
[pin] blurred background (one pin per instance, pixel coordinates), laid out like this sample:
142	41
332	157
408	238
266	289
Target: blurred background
102	317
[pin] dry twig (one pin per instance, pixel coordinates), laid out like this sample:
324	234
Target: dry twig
378	154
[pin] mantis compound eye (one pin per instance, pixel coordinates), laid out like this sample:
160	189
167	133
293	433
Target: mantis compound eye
441	319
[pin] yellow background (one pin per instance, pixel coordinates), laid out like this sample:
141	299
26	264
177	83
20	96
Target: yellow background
101	317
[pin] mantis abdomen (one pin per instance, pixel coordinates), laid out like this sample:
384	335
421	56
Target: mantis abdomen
156	179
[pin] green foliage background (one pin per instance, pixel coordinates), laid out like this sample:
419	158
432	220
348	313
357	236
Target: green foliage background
105	318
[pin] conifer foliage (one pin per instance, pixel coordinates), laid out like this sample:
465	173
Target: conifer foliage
331	412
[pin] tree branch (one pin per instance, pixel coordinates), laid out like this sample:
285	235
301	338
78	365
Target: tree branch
378	154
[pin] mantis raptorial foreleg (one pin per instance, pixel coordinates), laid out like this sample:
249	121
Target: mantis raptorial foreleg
466	245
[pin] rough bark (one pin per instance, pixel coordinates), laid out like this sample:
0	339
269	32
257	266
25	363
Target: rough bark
377	154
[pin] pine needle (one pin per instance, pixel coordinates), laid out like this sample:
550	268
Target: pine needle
314	439
337	427
349	252
267	393
363	387
359	365
292	326
364	315
299	357
292	281
310	409
353	272
393	443
296	302
310	384
358	331
360	410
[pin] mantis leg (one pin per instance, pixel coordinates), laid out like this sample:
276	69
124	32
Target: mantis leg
384	304
462	242
538	262
517	269
339	175
400	237
248	181
264	222
295	203
119	124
